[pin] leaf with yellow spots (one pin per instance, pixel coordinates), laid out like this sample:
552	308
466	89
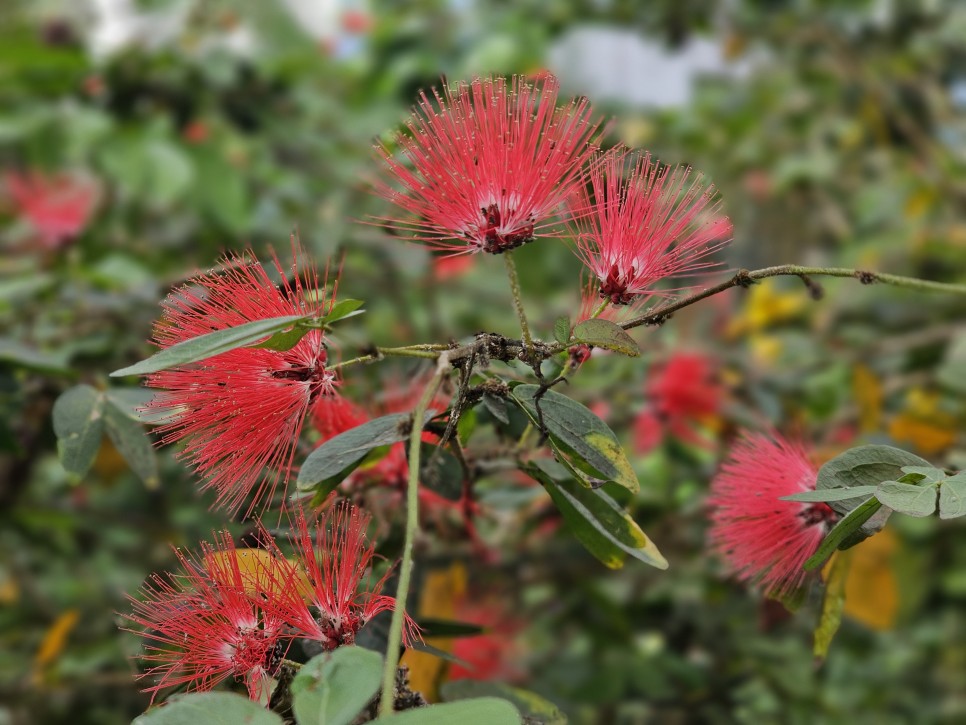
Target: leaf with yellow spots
836	576
872	587
54	642
441	590
868	395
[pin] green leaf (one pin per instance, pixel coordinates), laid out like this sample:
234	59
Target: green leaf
133	444
561	330
333	688
606	334
952	497
580	435
339	456
865	466
284	340
440	472
952	372
206	346
925	473
831	494
604	528
209	708
496	407
908	498
341	310
528	703
79	425
132	402
448	628
833	604
842	531
16	353
479	711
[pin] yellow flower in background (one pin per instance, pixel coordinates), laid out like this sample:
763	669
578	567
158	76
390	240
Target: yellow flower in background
867	390
766	350
54	642
765	306
923	424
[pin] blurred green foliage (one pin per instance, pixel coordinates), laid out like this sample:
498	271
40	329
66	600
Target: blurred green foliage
843	144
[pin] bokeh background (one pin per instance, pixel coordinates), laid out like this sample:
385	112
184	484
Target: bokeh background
835	131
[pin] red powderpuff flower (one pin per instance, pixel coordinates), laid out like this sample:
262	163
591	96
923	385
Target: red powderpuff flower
490	162
494	654
205	624
241	412
633	230
760	537
58	207
338	599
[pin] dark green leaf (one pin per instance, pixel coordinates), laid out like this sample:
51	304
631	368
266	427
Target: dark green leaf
908	498
925	473
333	688
561	330
479	711
831	494
605	529
528	703
338	456
865	466
16	353
580	435
606	334
206	346
133	444
284	340
842	531
952	497
419	646
440	472
448	628
209	708
497	408
79	425
342	310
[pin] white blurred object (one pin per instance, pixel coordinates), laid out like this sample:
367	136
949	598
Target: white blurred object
118	24
321	19
613	64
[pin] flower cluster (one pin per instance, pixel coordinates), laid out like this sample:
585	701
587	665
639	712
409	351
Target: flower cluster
760	537
233	613
58	207
241	411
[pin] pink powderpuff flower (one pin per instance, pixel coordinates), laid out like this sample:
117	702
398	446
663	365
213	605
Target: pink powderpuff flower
206	623
337	599
241	411
634	230
760	537
489	164
683	392
58	207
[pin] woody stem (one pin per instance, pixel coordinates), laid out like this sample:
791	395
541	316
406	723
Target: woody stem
412	525
511	273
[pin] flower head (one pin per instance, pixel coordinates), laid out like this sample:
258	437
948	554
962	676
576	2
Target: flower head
206	624
338	598
58	207
635	229
241	411
489	163
760	537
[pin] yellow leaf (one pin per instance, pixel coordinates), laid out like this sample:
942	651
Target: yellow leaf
9	589
836	576
923	424
442	589
765	306
872	588
54	641
765	349
919	203
868	394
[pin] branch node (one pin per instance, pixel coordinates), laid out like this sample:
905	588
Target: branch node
866	277
743	279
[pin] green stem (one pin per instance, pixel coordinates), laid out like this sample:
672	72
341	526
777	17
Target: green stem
412	525
600	310
428	351
744	278
511	273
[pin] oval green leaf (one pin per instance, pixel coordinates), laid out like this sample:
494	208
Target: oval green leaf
608	335
527	703
209	708
864	466
908	498
561	330
79	425
952	497
206	346
479	711
133	444
580	435
333	688
831	494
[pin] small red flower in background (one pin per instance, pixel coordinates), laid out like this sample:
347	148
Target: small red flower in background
760	537
489	164
203	625
495	653
636	229
336	602
450	267
684	391
242	411
58	207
